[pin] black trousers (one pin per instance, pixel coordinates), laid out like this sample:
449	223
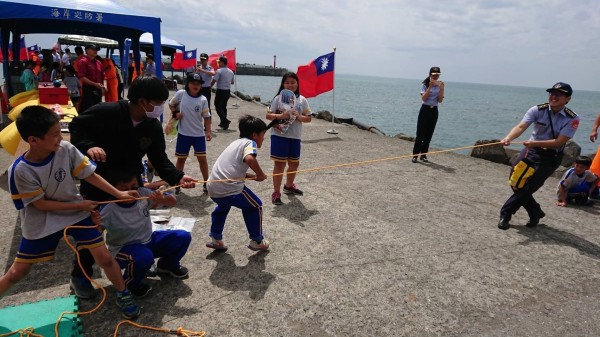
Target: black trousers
207	92
545	163
221	98
90	96
120	90
426	122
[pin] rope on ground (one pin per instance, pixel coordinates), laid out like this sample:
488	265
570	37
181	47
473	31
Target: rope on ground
27	332
179	331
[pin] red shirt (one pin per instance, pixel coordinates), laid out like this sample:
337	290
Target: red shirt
92	69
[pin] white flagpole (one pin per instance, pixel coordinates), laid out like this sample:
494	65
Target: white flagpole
333	131
235	72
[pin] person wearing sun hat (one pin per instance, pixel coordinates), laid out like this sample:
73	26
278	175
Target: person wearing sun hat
432	93
553	125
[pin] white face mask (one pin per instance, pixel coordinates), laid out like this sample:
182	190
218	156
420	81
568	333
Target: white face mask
156	112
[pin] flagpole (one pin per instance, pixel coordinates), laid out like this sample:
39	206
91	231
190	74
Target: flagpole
333	131
235	72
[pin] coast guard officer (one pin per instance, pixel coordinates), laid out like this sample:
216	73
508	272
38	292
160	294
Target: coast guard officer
553	125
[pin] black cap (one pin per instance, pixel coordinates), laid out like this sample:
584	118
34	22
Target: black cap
194	77
435	71
150	56
204	56
91	46
561	87
223	59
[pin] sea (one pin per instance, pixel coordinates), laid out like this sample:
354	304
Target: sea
470	112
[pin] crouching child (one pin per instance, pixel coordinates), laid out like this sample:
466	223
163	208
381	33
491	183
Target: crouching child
130	238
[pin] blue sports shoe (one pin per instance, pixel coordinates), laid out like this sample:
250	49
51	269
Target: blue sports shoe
129	309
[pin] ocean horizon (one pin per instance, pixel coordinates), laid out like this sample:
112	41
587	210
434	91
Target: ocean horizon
470	111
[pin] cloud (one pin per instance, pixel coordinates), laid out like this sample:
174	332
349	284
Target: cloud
531	43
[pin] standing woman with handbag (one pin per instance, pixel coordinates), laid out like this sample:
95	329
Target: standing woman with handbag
432	93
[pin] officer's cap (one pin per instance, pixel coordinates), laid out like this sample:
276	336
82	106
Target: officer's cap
561	87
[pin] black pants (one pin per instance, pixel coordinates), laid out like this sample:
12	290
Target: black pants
545	163
207	92
426	122
221	98
120	91
90	96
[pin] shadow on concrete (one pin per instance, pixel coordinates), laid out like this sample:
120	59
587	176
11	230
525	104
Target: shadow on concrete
552	236
439	167
294	211
589	209
160	303
194	204
328	139
250	277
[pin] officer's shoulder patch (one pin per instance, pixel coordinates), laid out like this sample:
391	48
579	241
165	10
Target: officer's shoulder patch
543	106
570	113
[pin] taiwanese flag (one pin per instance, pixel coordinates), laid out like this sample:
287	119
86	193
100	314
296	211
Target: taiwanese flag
22	51
229	54
184	60
189	58
32	49
317	76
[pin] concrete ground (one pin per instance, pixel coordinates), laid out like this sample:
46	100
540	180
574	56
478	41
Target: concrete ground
388	248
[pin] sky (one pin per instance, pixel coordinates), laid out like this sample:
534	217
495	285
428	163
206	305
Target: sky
532	43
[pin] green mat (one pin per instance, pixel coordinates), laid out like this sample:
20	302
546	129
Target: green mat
42	316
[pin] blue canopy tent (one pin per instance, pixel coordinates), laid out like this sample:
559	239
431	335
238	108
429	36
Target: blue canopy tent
102	18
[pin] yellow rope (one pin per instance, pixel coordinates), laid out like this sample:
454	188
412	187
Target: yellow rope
321	168
28	332
179	331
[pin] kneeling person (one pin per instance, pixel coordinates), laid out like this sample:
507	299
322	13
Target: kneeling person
577	184
130	238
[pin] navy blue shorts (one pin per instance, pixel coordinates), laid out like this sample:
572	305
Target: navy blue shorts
184	143
40	250
285	149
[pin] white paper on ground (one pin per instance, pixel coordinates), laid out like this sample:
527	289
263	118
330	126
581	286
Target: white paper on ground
187	224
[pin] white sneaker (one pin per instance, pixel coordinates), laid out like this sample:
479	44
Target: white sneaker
255	246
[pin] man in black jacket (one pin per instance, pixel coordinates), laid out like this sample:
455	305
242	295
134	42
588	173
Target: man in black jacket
118	135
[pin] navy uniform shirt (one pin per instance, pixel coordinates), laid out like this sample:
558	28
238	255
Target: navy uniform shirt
564	122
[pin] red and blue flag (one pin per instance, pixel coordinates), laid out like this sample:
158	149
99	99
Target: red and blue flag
317	77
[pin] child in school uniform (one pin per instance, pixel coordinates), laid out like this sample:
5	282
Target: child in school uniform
226	186
130	238
190	108
73	84
42	185
577	184
285	145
